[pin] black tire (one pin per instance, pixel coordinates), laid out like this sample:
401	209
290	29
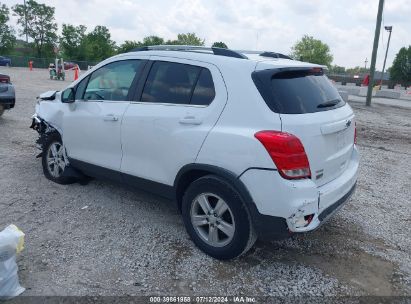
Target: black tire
60	179
244	235
1	110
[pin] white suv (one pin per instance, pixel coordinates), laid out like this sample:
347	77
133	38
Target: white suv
248	144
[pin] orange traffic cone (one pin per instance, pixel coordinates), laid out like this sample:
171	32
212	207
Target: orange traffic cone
76	72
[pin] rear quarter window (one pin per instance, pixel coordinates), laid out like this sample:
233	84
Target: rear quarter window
296	90
204	91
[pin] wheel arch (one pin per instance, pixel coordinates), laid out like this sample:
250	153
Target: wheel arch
191	172
267	226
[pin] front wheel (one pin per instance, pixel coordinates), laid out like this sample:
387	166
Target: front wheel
54	160
216	218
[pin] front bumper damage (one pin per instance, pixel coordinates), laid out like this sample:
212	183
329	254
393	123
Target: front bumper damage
44	129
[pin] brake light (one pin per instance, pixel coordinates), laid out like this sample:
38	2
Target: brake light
318	71
287	152
4	79
355	133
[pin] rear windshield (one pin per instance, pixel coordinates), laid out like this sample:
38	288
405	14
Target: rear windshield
297	91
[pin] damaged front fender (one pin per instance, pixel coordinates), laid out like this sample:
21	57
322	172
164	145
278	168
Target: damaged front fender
44	130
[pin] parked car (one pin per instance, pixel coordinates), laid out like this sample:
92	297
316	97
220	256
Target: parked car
7	94
248	144
5	61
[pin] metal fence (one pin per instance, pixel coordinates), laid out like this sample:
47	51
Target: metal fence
344	79
23	61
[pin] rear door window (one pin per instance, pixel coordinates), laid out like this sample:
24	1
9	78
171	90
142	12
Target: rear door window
170	82
297	91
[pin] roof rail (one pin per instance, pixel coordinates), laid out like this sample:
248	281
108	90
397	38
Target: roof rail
265	54
215	50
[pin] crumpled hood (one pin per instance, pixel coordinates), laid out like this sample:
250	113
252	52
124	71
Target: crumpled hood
49	108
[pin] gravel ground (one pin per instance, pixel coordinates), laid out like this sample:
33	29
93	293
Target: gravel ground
103	239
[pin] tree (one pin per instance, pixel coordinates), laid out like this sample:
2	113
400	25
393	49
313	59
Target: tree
152	40
127	46
182	39
71	41
98	44
147	41
336	69
357	70
401	67
41	25
7	38
312	50
187	39
220	44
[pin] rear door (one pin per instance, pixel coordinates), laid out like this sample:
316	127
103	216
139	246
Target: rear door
312	109
175	108
92	127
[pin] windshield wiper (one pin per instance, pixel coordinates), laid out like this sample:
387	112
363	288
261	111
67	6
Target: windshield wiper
329	103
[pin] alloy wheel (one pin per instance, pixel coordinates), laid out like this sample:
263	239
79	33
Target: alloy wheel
55	159
212	219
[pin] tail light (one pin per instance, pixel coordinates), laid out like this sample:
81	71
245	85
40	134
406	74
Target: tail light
287	152
4	79
355	133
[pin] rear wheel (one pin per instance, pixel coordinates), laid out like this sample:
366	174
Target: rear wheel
1	110
54	160
216	218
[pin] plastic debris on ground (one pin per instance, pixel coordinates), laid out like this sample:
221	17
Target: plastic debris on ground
11	243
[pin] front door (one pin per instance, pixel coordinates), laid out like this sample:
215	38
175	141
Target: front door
92	127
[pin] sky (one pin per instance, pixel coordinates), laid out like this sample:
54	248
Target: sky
347	26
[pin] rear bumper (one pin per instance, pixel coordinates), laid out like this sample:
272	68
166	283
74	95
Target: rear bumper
7	103
7	96
294	202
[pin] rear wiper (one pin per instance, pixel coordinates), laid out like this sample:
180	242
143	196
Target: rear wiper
329	103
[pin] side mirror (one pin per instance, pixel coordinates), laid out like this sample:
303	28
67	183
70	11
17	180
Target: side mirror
68	96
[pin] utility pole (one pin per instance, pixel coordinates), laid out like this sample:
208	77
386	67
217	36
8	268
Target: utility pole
389	29
365	63
25	20
374	52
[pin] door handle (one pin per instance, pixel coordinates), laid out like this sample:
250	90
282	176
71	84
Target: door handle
110	117
190	120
